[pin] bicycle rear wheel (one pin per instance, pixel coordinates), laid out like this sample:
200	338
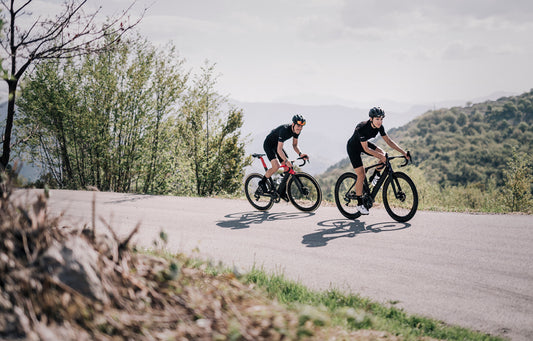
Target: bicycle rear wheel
255	195
345	195
400	197
304	192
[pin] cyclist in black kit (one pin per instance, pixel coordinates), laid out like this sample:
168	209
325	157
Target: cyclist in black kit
359	143
273	147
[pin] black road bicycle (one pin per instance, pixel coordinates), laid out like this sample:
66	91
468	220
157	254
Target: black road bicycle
400	197
301	188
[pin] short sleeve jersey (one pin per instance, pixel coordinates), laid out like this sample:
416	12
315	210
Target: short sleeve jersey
364	131
281	134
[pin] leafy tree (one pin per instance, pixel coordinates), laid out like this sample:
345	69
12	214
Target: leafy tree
518	180
210	130
72	32
126	119
100	117
168	84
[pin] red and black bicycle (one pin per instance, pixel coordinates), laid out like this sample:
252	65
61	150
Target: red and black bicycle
301	189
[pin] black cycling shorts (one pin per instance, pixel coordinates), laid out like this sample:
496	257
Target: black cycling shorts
355	149
271	150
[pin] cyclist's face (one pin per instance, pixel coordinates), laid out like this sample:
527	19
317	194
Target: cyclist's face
297	128
377	121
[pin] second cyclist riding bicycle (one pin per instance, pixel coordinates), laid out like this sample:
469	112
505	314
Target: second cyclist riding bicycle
302	190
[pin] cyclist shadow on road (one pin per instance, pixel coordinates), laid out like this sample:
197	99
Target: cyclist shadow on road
243	220
347	229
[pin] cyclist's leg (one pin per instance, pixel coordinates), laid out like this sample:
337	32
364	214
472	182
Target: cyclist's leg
354	152
282	190
360	172
270	150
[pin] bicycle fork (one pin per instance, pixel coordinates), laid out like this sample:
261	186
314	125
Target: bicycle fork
396	188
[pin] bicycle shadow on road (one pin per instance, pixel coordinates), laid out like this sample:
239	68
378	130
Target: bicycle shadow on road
243	220
343	228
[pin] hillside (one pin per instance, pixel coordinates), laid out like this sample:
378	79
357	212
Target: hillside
471	144
464	145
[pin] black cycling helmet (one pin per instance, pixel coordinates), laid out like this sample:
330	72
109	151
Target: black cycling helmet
298	119
376	112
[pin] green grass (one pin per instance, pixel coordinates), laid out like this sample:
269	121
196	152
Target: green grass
352	311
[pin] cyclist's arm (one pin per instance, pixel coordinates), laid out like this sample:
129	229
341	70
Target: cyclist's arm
282	154
297	149
377	153
394	145
280	151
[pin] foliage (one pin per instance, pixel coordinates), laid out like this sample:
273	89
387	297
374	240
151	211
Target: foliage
212	137
126	120
518	182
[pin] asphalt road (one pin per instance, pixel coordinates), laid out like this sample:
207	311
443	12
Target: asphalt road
471	270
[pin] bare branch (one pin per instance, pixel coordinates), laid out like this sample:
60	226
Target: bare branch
21	7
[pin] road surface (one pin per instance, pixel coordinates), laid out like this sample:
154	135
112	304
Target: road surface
472	270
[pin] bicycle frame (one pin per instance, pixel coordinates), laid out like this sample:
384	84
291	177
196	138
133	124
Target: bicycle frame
285	167
386	172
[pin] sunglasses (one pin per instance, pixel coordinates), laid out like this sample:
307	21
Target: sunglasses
301	123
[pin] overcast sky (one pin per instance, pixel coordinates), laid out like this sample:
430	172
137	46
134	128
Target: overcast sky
417	51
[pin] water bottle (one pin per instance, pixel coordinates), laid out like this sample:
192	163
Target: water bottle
375	178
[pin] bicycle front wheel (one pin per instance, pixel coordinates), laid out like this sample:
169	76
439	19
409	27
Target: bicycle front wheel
304	192
255	195
400	197
345	195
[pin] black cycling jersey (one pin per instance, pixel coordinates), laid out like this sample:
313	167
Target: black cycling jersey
279	134
363	132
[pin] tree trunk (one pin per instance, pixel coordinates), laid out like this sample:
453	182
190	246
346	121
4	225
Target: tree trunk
6	150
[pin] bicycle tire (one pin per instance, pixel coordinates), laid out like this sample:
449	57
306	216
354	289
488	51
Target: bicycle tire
401	207
310	198
257	200
344	198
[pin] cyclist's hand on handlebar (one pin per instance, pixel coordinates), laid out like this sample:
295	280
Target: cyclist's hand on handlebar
287	163
304	156
408	159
